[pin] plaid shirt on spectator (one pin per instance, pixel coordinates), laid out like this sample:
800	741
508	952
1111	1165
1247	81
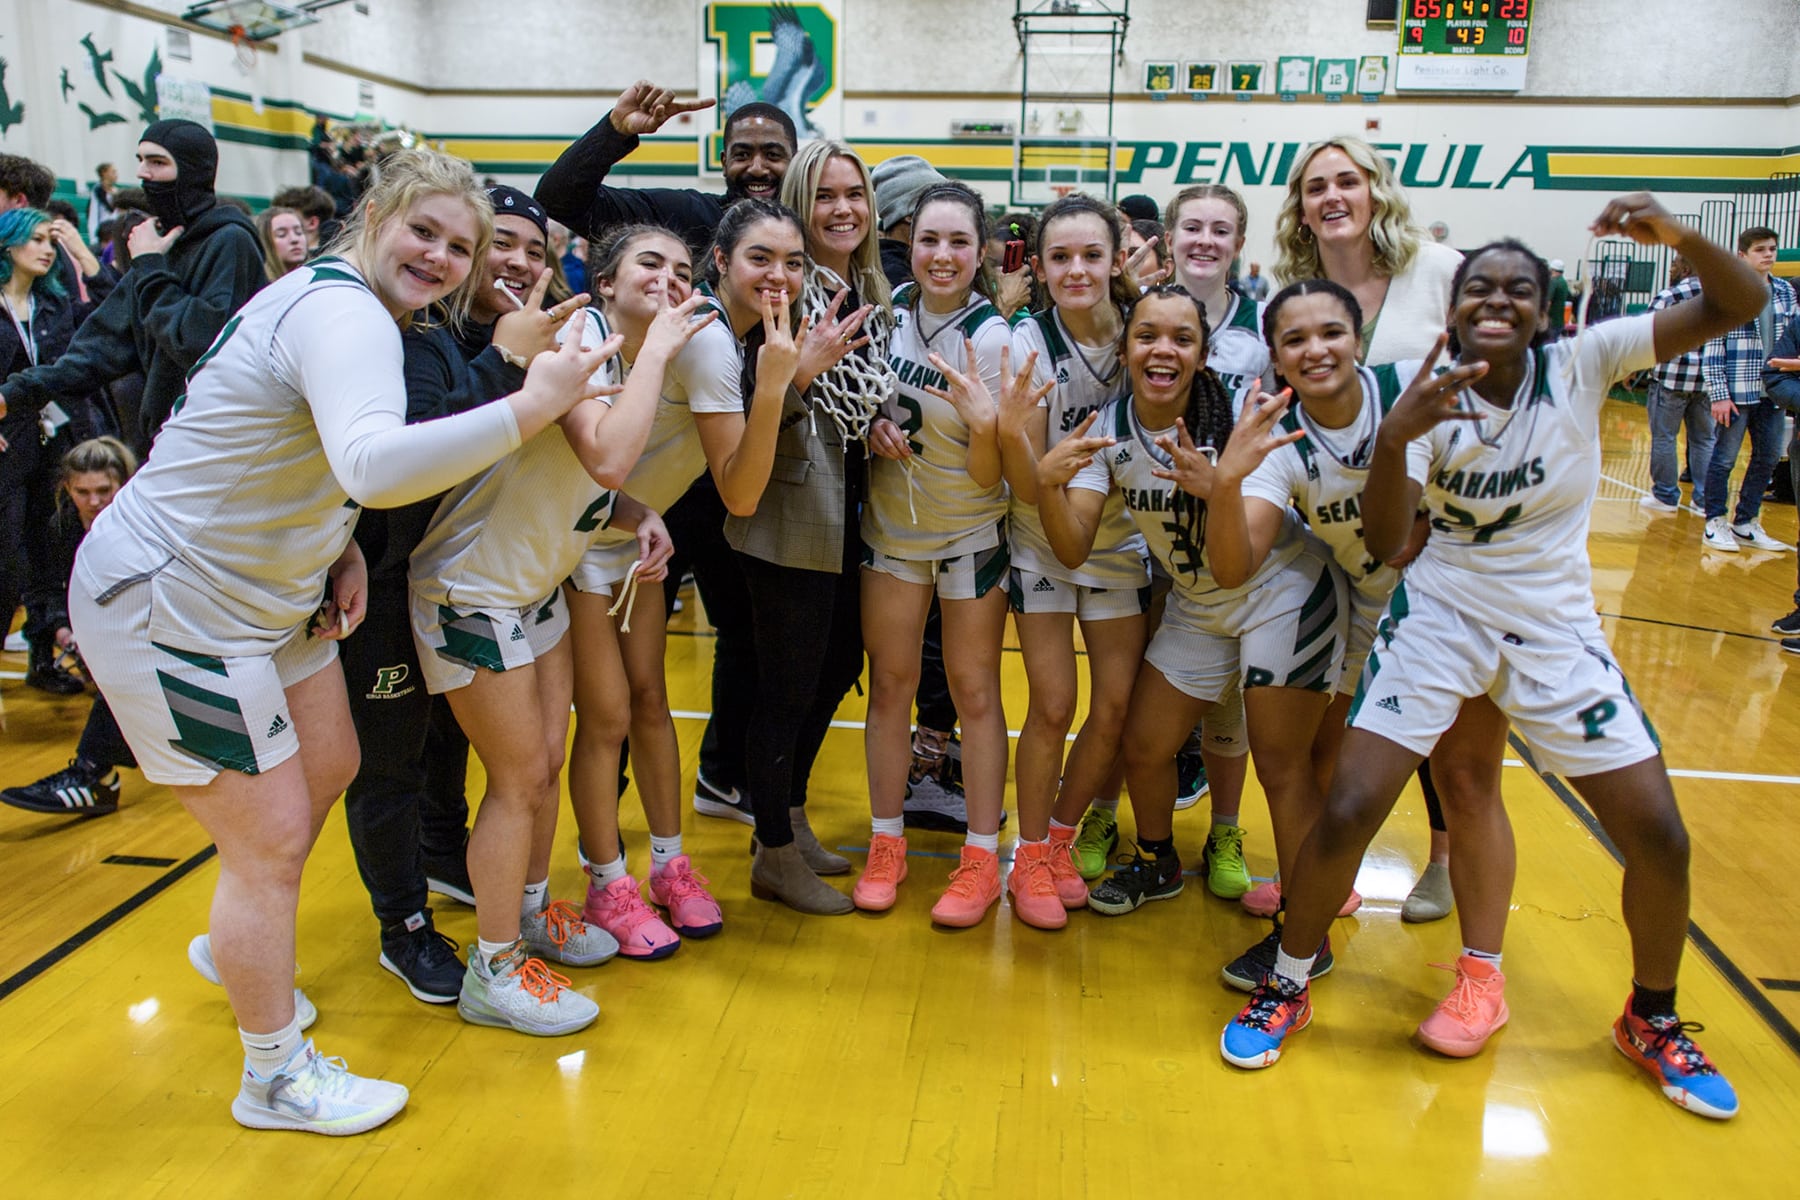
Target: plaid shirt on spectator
1681	373
1732	365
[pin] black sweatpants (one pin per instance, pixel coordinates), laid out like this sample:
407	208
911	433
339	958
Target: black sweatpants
697	527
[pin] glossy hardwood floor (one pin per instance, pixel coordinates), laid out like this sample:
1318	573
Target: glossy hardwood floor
879	1056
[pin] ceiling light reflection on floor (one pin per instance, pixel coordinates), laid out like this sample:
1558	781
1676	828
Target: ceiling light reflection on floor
1511	1132
571	1064
144	1010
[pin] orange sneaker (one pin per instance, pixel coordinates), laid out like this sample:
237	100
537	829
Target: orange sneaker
1071	888
1264	900
974	886
1033	887
882	876
1472	1013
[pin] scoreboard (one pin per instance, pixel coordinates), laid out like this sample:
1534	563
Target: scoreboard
1463	45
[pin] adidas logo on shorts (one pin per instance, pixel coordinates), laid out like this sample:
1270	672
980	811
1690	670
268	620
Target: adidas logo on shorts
518	634
1391	703
1043	585
278	726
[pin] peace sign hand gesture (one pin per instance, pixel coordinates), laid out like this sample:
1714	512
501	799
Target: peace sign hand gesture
1193	468
1431	399
1063	461
780	354
531	329
1251	440
967	393
830	340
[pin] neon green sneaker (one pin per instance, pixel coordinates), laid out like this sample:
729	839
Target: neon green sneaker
1222	862
1095	840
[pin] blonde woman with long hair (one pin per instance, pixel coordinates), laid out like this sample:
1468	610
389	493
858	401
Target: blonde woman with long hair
196	596
1347	219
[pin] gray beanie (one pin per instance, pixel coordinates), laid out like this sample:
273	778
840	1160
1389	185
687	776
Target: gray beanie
898	183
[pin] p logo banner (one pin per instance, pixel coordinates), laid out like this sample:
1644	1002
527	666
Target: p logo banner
780	54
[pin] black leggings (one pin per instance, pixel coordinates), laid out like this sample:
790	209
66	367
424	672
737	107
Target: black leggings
1434	809
808	638
697	527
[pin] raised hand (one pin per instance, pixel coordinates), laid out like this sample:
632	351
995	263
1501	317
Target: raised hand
827	342
1641	218
967	393
532	329
643	108
1134	266
674	327
1065	460
1432	399
1192	468
1252	440
780	354
560	380
143	239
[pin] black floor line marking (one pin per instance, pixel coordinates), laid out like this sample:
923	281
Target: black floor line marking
1741	983
1782	985
136	860
76	941
1736	633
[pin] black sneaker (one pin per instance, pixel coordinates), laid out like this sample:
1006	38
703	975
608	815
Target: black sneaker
1249	968
1139	880
1791	645
729	803
1788	626
448	875
77	791
47	674
1190	780
424	959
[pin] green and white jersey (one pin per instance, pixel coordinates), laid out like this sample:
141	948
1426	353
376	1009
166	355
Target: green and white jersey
1323	475
1236	351
1510	494
1087	378
507	537
1163	512
294	417
706	377
927	507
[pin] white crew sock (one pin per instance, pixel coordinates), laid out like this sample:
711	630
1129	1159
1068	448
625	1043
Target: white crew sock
267	1053
889	826
605	873
983	841
1295	970
662	850
537	895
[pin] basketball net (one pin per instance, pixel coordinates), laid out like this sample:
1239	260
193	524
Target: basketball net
244	49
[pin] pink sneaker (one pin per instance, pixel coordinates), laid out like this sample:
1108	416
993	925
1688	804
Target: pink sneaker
1264	900
885	871
974	887
1033	887
1472	1013
692	910
1071	888
621	911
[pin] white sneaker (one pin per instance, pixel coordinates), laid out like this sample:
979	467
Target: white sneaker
1752	535
1654	505
558	933
523	994
1695	509
200	954
1718	536
318	1095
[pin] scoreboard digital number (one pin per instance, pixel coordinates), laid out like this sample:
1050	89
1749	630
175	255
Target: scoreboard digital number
1487	27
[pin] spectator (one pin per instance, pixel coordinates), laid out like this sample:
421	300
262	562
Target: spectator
1731	367
1559	301
898	182
90	475
1781	381
283	235
42	317
1151	266
318	212
1254	285
101	205
1677	397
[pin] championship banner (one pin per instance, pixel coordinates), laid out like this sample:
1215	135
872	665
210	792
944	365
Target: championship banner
787	55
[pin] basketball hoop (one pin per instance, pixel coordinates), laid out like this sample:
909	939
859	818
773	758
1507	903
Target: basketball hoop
244	48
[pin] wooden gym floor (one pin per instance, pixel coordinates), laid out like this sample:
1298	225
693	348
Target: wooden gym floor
878	1056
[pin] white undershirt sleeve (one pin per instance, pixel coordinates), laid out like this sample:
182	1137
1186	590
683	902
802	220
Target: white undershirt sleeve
341	352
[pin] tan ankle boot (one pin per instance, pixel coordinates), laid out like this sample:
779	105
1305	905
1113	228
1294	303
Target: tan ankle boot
779	873
818	858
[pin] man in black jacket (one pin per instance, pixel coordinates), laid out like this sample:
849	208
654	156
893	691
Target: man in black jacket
759	143
191	270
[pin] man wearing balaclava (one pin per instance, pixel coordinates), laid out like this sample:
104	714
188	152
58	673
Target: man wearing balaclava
190	270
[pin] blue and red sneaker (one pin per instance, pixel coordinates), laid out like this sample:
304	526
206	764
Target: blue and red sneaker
1277	1008
1661	1046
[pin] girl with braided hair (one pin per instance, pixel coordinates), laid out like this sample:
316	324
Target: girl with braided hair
1278	633
1074	344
